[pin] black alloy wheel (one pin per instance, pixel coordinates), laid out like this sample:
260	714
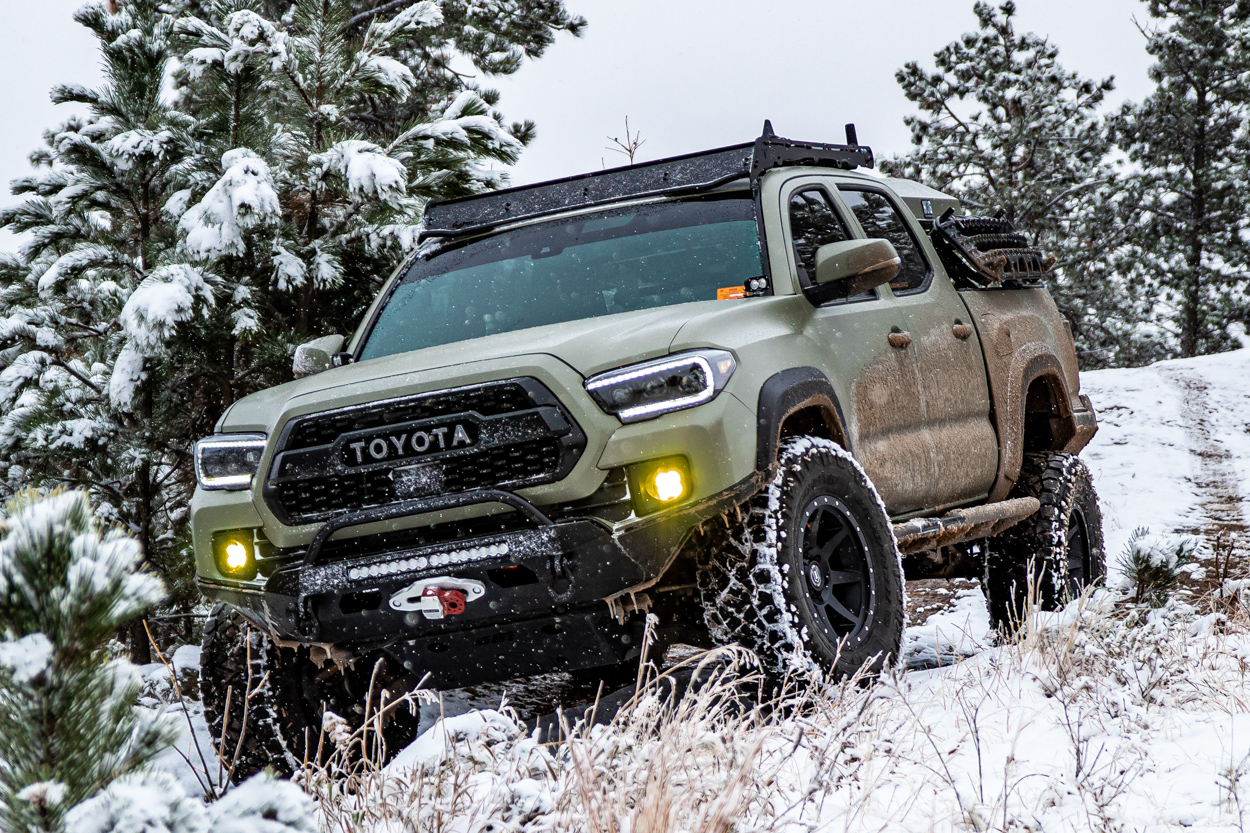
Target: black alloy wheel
837	568
1079	567
807	574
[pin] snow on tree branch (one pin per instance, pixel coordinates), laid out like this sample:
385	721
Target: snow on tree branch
424	15
387	72
163	300
366	167
464	122
244	198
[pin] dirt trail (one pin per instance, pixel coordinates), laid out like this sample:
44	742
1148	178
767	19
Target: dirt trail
1216	480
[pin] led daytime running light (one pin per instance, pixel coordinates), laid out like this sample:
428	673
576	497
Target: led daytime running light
715	365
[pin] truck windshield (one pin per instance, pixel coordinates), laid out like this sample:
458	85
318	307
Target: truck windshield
612	261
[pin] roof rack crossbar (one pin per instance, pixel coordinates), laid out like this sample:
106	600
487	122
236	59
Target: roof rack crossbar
690	173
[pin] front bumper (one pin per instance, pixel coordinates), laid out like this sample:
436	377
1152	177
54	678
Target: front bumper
544	606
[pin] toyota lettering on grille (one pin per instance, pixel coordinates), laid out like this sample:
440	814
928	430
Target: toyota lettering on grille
404	445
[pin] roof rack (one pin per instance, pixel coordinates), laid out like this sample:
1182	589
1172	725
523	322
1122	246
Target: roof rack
690	173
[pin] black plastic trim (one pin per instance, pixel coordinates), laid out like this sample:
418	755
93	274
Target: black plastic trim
782	394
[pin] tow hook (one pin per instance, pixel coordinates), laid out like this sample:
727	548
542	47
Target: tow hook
438	597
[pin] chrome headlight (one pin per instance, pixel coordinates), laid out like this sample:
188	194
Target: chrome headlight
228	461
648	389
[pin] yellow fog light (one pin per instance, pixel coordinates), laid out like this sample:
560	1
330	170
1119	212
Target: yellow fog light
659	483
667	485
235	553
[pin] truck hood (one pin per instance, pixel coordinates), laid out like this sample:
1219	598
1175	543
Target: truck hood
588	346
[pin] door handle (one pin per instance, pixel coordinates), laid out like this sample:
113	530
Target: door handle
961	330
899	339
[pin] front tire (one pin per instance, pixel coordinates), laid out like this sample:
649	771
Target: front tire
807	575
1057	552
237	658
290	693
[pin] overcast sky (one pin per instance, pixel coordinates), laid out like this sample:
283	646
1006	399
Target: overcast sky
690	74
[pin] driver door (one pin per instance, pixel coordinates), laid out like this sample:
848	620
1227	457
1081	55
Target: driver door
876	380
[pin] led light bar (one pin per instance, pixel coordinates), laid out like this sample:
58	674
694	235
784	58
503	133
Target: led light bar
421	562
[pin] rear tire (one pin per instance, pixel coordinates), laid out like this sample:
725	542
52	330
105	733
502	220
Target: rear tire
1059	549
290	693
807	574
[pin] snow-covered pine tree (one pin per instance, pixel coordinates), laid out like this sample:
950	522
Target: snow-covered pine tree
1189	145
286	203
475	38
97	239
495	38
75	751
1003	125
180	246
70	724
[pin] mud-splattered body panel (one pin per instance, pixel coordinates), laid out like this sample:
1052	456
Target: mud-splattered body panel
1028	349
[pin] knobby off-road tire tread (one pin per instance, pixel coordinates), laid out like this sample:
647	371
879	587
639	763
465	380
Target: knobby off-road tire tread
1059	481
224	664
742	576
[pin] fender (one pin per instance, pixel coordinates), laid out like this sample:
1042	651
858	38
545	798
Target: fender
1030	364
785	393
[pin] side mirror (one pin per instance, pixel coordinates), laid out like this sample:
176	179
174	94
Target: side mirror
316	355
857	265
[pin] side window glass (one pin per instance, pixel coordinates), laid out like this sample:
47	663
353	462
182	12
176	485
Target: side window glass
881	219
813	223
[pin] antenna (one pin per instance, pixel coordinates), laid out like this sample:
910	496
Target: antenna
851	138
768	130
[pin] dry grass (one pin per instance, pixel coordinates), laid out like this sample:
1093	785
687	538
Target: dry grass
673	759
1072	724
1053	730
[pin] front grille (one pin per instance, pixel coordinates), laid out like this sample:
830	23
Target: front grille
526	438
488	400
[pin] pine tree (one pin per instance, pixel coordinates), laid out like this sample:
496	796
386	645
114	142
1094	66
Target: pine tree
97	237
1005	127
180	246
75	750
333	212
70	724
474	39
1189	144
494	37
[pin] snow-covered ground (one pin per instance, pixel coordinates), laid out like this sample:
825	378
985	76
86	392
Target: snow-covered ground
1097	720
1172	452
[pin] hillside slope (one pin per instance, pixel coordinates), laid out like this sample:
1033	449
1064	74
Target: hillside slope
1172	452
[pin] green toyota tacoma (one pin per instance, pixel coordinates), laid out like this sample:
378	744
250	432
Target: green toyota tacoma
745	391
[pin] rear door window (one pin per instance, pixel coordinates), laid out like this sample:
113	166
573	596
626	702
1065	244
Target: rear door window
880	218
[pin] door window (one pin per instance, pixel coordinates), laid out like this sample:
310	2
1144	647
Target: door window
880	219
813	223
